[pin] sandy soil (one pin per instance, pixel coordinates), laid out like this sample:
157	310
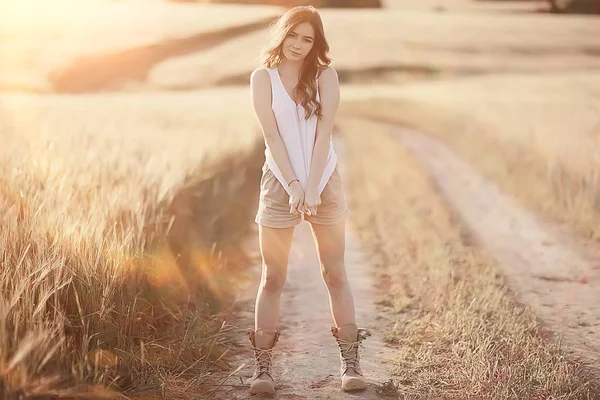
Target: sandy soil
545	268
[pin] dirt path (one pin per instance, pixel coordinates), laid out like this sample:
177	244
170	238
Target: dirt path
542	266
307	357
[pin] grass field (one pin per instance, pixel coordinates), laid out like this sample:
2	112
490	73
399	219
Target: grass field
123	214
371	46
457	330
33	45
536	136
113	254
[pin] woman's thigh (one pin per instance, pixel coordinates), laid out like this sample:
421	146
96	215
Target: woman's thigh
275	244
330	241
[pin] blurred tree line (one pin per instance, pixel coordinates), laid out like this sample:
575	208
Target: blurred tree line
556	6
575	6
292	3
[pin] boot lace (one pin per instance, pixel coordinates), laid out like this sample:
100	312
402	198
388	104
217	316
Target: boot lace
263	361
349	355
349	351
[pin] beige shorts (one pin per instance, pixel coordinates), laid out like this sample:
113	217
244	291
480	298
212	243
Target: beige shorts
274	209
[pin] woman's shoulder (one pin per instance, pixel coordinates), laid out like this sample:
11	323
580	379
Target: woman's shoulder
326	72
260	71
260	76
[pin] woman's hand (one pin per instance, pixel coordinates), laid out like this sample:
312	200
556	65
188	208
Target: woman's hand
296	198
312	199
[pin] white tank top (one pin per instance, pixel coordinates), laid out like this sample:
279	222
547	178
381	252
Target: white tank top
298	135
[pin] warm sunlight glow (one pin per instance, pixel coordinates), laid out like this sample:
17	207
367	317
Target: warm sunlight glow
133	189
19	16
27	13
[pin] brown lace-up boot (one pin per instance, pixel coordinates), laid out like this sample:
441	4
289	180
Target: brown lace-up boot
349	338
262	344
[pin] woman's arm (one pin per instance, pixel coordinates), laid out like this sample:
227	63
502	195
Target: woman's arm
260	88
329	92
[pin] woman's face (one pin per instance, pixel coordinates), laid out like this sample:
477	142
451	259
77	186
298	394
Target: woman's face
299	42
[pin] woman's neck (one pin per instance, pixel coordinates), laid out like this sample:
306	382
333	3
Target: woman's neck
290	68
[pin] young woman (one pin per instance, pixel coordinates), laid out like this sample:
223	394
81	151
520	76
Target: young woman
295	95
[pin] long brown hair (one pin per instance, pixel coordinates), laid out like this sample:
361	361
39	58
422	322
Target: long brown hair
317	58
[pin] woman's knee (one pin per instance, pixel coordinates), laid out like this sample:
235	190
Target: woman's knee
273	281
334	277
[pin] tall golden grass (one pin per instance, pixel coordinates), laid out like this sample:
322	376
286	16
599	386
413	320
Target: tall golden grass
120	240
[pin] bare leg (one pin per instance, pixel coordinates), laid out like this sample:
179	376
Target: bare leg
330	241
275	246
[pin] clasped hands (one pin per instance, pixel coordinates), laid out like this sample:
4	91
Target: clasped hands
303	202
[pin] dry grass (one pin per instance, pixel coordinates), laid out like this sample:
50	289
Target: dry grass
458	332
33	44
101	285
378	42
121	222
536	136
422	43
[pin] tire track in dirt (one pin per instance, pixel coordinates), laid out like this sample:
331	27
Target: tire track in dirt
542	266
306	359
